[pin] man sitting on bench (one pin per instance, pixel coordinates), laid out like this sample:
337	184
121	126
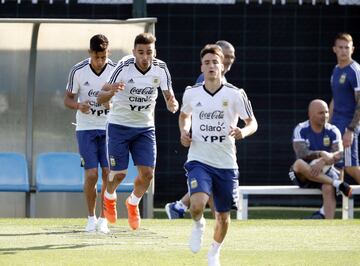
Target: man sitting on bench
317	145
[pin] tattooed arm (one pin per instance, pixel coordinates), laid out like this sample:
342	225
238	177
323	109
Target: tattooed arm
303	152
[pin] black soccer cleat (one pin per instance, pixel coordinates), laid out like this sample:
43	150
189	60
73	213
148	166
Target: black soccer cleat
345	189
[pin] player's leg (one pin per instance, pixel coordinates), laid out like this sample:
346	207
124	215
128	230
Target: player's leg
143	152
329	201
351	158
225	185
102	221
302	170
177	209
118	159
199	185
89	160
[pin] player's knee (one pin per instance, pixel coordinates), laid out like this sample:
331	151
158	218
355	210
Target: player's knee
196	208
298	165
222	219
91	176
117	176
147	174
328	190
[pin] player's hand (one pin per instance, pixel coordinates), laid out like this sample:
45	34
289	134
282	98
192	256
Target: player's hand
348	138
316	168
328	157
185	139
84	107
106	105
118	86
236	132
172	104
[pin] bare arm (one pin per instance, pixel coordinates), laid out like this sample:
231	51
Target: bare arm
336	154
331	110
356	118
171	103
250	128
108	91
348	136
185	126
70	102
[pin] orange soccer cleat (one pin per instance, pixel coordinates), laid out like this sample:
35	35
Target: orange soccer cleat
110	210
133	215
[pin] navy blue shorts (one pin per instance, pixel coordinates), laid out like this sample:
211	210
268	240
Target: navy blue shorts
92	148
221	183
140	142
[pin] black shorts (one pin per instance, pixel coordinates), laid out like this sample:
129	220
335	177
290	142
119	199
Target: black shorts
332	172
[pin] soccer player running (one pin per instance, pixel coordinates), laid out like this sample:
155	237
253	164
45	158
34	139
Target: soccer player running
345	105
211	112
85	81
318	144
133	90
177	209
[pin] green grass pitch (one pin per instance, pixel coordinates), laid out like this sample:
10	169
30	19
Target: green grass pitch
165	242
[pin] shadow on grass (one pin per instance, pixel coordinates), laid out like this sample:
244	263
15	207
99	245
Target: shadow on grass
13	251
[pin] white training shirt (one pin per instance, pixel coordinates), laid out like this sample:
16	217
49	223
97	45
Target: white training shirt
212	118
135	105
85	82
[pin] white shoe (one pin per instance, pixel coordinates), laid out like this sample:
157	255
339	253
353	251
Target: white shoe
214	259
91	225
102	226
197	234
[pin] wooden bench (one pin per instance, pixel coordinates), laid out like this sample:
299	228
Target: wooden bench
245	191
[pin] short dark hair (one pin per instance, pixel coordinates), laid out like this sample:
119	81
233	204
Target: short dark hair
212	49
343	36
144	38
99	43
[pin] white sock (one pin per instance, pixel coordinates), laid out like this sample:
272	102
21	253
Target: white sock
181	206
322	210
110	196
215	247
200	223
133	200
92	218
336	183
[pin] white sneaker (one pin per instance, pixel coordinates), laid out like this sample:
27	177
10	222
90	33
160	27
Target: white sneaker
197	234
91	225
214	259
102	225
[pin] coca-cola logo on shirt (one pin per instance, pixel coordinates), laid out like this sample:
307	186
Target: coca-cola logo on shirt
93	93
143	91
217	114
